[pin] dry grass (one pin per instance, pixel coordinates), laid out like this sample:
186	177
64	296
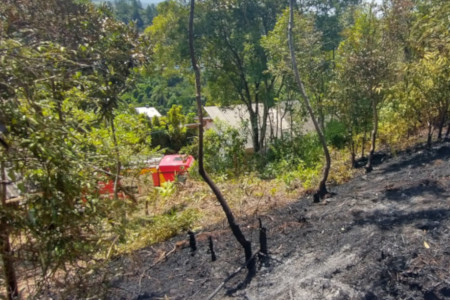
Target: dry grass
191	205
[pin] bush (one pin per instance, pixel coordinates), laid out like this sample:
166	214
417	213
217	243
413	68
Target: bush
286	155
224	151
296	162
336	134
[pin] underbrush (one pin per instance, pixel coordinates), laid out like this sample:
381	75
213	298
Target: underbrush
142	231
178	207
164	212
298	163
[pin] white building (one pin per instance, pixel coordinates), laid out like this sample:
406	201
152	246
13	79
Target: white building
150	112
279	120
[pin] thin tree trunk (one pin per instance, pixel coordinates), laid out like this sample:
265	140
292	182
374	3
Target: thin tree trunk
263	126
353	153
255	131
320	113
430	134
246	97
322	190
364	142
5	246
251	265
441	125
369	166
118	163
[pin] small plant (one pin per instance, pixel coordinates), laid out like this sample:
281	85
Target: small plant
166	189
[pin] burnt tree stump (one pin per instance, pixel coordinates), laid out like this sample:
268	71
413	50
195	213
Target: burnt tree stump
263	251
211	249
192	242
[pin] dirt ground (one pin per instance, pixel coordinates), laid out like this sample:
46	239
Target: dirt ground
383	235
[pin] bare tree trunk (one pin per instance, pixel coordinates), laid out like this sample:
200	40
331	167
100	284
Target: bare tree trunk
442	120
322	190
250	261
255	130
364	142
263	126
430	134
353	153
5	246
118	163
369	166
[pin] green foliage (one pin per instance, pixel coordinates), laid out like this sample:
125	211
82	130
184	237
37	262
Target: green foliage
224	151
328	19
166	189
60	77
362	75
176	129
307	48
337	134
294	160
66	67
170	132
314	64
162	92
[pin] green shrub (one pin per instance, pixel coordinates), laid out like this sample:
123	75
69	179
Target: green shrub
336	134
224	151
286	155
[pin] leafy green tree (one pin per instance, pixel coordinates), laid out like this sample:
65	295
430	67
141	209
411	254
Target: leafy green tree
431	42
235	61
364	63
228	48
422	96
111	75
224	151
237	232
58	58
176	127
36	60
322	189
312	61
328	19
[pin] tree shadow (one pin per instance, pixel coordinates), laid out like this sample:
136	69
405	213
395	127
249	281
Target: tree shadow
429	187
425	156
425	219
378	159
243	284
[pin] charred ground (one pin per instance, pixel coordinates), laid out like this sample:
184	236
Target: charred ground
384	235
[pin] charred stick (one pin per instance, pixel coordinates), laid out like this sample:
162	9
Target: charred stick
192	242
263	256
211	249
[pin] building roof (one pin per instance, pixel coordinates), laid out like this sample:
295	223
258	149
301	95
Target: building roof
148	111
278	120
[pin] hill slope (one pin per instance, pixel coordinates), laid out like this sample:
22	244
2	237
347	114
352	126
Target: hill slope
385	235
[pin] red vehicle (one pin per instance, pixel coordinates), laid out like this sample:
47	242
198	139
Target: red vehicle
170	167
